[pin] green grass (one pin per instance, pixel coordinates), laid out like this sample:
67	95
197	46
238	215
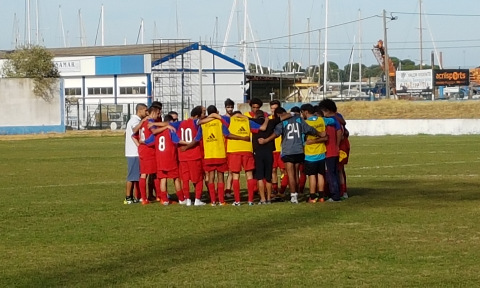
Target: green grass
412	221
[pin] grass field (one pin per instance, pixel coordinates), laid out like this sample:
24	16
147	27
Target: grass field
412	221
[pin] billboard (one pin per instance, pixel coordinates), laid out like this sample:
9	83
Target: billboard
414	83
475	76
451	77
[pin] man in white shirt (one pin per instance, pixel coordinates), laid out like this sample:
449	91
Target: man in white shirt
131	152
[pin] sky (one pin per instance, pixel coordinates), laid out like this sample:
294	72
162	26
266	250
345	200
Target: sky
450	27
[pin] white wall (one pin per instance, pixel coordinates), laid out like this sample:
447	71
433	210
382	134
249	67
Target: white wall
22	112
413	127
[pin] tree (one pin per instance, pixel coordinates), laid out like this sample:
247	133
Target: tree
33	62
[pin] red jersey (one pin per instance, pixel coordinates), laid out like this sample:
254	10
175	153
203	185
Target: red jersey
331	144
145	150
187	131
166	150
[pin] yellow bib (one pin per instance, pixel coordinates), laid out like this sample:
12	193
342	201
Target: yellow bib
213	140
240	127
318	148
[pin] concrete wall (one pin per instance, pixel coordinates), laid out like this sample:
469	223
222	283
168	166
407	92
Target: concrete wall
21	112
413	127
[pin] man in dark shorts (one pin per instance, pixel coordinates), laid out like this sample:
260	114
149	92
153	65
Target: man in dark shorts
263	154
292	129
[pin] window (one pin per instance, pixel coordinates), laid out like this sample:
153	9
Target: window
73	91
100	91
132	90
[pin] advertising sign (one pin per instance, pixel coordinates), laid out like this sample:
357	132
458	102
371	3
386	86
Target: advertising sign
451	77
68	66
475	76
414	83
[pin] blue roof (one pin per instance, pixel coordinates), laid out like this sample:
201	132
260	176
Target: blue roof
196	46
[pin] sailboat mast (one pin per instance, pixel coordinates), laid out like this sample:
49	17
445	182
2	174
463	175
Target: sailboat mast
29	35
421	37
289	35
37	21
61	25
103	27
325	65
308	40
360	50
245	33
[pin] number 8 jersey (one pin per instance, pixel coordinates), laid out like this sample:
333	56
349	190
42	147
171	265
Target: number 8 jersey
166	150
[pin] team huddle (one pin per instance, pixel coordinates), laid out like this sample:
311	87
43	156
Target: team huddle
307	141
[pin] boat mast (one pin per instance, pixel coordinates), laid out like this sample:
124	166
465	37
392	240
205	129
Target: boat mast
37	28
325	65
360	50
61	25
421	37
103	26
245	47
289	36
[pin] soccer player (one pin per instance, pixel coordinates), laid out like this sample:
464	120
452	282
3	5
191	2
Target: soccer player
212	135
174	116
344	148
229	106
302	177
277	161
314	153
334	133
131	153
291	128
240	154
263	155
191	160
165	140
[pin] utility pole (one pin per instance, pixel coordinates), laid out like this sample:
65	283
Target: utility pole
386	58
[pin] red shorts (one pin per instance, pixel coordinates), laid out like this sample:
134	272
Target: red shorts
171	174
192	170
277	161
219	165
345	146
148	165
241	159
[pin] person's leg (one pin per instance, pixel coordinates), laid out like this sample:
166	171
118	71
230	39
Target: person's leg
221	187
211	187
268	160
163	190
236	186
251	185
292	180
260	176
143	188
302	178
332	178
179	191
228	184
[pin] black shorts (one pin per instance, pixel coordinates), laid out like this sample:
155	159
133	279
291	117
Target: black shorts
263	166
294	158
314	168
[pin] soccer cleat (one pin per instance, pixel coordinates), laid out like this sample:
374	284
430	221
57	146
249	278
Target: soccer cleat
182	202
145	202
293	198
213	204
222	204
158	199
262	203
331	200
315	200
135	200
345	195
198	202
128	201
251	203
189	202
268	202
236	204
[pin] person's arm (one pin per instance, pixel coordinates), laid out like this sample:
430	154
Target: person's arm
227	134
157	130
316	140
340	119
175	139
339	137
158	124
209	118
255	125
135	139
262	141
139	125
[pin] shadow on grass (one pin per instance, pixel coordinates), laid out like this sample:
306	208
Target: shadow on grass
116	266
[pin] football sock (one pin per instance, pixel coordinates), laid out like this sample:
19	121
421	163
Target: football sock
198	190
313	196
156	182
143	188
236	189
163	196
275	188
186	189
180	195
221	192
211	190
251	189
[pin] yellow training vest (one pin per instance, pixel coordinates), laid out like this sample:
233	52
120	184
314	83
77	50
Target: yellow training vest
318	148
240	127
213	140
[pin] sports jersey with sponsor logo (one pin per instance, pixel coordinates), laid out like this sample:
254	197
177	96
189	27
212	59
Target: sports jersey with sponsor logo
212	135
292	130
166	150
187	131
243	127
